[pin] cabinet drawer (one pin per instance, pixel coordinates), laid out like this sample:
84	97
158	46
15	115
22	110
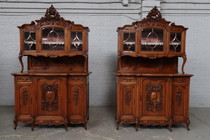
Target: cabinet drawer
128	80
77	80
180	80
23	79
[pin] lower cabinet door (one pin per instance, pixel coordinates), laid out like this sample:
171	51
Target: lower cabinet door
77	100
23	103
156	101
126	103
51	100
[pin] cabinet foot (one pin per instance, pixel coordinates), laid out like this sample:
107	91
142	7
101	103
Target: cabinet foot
15	123
187	124
85	125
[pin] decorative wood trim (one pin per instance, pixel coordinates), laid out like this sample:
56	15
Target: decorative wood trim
24	96
128	96
49	97
154	98
179	95
75	96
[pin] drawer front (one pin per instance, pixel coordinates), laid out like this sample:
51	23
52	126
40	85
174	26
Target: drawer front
23	78
181	80
128	80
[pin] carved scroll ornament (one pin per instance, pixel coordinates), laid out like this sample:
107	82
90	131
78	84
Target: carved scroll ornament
49	97
128	96
76	96
154	97
25	96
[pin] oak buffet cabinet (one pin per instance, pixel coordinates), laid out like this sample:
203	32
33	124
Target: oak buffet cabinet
150	91
54	90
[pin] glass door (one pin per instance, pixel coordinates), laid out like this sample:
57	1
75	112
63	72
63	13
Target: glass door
52	39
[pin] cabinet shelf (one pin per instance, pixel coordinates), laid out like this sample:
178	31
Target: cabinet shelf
129	43
53	42
152	43
30	42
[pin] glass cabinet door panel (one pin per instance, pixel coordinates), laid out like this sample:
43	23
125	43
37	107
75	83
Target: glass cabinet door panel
152	40
175	42
129	39
29	40
76	41
52	38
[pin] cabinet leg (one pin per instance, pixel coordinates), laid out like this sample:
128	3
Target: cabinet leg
137	124
15	123
33	125
85	125
66	124
170	125
187	124
118	124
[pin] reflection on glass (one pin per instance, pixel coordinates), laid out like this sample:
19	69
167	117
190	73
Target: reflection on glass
29	40
152	39
175	42
129	41
76	41
52	38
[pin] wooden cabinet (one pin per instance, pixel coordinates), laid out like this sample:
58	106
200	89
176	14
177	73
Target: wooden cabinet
54	89
150	91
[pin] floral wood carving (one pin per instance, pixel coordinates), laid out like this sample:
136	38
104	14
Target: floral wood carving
154	14
49	97
51	13
25	96
178	96
75	96
154	97
127	96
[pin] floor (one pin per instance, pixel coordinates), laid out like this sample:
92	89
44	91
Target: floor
101	126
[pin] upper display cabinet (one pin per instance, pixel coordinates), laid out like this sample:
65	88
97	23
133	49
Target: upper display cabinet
53	36
152	37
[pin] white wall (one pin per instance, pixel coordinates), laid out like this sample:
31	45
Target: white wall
103	17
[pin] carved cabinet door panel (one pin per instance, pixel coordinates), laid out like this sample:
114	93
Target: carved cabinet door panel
51	96
180	99
24	101
77	100
156	99
126	102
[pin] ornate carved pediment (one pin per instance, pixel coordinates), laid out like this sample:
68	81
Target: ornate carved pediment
154	17
51	14
52	17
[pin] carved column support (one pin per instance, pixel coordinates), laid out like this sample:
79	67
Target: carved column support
21	62
184	62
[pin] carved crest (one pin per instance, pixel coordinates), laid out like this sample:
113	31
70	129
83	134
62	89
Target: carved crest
154	97
154	14
51	14
49	97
